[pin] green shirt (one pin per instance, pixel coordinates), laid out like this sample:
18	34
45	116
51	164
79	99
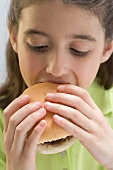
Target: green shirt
76	157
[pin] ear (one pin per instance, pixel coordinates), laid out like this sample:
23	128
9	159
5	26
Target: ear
13	37
107	51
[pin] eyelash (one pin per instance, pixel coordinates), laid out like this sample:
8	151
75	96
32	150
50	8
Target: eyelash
44	48
39	49
79	53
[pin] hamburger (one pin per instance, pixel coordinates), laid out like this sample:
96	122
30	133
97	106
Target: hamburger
54	139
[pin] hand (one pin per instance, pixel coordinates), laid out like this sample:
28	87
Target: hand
87	122
20	116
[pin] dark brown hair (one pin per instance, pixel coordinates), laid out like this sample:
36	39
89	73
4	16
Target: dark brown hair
14	84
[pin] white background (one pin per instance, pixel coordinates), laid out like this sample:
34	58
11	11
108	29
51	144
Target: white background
4	7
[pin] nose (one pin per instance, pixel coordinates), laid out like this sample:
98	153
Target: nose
57	64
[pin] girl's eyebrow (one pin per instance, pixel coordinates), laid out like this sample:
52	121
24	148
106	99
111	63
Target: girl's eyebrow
86	37
83	37
35	32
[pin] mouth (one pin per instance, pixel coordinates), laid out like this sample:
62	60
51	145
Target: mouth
57	82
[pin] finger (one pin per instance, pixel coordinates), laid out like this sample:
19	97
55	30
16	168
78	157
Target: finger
23	128
72	101
31	143
78	91
18	117
13	107
69	113
73	129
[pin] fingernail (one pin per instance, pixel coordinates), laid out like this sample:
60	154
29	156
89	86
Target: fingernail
61	87
57	118
37	104
48	104
50	95
42	111
42	123
25	97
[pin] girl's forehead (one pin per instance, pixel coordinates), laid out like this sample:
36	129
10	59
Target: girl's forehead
56	12
56	17
56	7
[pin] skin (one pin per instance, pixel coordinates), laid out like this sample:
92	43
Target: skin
64	48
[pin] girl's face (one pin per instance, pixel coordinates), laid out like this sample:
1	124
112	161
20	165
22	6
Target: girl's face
59	43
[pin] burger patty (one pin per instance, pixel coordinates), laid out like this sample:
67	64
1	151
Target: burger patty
57	142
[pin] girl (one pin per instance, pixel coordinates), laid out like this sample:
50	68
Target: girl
67	42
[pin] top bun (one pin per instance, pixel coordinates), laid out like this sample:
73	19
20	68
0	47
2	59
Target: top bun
37	93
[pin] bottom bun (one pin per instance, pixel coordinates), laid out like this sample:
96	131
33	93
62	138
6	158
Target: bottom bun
56	146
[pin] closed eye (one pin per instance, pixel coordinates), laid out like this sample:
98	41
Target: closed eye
79	53
40	48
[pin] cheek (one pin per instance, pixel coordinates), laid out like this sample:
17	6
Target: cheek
30	63
86	72
30	67
27	71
